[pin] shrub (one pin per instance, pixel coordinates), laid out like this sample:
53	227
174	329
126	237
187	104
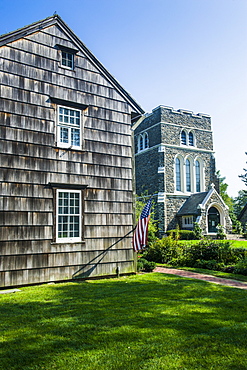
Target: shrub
144	265
220	232
210	265
197	231
241	267
238	227
208	250
181	234
239	253
162	251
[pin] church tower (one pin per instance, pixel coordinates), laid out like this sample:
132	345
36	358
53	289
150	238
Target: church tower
174	159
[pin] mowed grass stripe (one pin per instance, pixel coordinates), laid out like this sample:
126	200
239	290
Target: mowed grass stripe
150	321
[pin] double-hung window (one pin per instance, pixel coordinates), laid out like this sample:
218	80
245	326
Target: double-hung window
67	60
69	215
69	127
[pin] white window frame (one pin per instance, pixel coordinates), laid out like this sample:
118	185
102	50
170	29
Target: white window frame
68	239
67	60
187	221
69	126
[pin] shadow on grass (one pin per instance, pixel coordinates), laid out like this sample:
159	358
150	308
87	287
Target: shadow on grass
123	323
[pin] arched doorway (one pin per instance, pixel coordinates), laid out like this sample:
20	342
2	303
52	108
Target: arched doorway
213	220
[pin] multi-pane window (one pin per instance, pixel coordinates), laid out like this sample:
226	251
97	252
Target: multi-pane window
198	176
187	221
191	139
188	177
178	175
67	59
68	215
183	138
143	142
69	127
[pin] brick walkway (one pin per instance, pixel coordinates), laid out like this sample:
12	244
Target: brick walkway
195	275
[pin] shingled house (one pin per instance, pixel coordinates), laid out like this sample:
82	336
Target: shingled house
66	159
175	160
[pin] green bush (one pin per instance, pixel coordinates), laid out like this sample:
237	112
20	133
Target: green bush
181	234
209	265
241	267
220	232
162	250
144	265
239	253
206	250
197	231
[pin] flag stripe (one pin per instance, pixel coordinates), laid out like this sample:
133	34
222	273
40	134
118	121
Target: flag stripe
141	231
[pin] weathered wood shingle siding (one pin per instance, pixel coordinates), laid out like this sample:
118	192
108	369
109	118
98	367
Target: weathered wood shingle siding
30	76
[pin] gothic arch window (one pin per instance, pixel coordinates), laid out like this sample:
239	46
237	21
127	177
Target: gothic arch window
183	138
178	174
188	175
145	140
191	139
198	176
142	142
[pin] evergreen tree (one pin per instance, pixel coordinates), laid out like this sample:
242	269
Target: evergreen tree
244	176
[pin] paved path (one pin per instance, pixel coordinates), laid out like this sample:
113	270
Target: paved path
195	275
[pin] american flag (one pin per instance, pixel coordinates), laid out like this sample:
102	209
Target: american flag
141	231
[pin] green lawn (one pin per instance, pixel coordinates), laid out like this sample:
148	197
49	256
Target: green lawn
150	321
235	243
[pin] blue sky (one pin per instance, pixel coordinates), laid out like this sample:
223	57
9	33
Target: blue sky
189	54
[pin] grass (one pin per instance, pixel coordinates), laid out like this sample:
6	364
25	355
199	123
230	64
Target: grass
235	243
150	321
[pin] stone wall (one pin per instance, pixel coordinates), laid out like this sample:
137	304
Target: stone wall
155	166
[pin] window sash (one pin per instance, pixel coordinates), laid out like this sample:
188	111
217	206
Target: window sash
69	127
187	221
67	60
68	227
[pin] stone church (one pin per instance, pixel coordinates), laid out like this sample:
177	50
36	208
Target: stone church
174	160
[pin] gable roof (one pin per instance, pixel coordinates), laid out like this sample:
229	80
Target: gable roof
190	207
57	20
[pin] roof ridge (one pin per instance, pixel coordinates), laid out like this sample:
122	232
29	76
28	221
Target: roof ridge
56	19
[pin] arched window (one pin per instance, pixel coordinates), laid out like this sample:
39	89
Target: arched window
198	176
183	138
178	174
191	139
140	143
145	140
188	177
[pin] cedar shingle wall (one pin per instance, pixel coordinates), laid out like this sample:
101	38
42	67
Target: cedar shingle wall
30	74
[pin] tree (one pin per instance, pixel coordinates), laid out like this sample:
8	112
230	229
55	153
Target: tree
240	201
227	199
244	176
